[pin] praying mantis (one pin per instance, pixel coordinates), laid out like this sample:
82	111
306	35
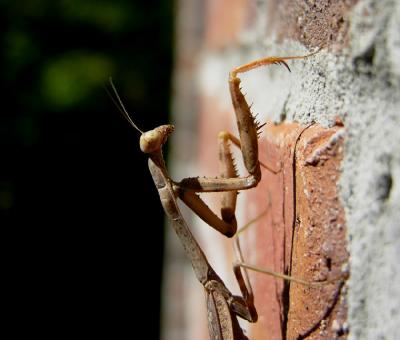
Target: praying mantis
223	307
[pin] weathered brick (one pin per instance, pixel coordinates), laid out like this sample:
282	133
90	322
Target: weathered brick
302	233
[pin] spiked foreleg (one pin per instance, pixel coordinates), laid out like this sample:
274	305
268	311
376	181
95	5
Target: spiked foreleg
247	127
227	225
227	170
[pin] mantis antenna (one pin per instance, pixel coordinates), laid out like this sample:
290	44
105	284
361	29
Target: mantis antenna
121	106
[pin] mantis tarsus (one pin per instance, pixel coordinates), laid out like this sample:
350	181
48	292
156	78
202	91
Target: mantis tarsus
223	307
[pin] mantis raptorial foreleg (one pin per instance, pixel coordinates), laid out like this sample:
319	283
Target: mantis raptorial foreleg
228	183
223	307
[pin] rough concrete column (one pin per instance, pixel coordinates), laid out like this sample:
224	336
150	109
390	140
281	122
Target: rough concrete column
352	84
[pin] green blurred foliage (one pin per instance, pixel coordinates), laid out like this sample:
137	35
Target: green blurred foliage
58	55
20	50
110	16
68	81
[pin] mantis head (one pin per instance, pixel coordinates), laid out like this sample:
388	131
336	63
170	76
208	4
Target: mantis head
153	140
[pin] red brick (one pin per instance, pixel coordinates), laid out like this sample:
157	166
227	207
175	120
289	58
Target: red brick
303	228
319	243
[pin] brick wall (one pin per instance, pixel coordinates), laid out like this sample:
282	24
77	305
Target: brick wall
332	133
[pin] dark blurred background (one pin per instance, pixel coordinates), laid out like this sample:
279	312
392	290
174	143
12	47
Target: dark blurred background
75	191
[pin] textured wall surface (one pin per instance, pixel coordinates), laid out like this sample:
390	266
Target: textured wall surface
355	78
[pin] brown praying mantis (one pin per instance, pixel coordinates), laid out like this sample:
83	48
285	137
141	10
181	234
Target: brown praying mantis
223	307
